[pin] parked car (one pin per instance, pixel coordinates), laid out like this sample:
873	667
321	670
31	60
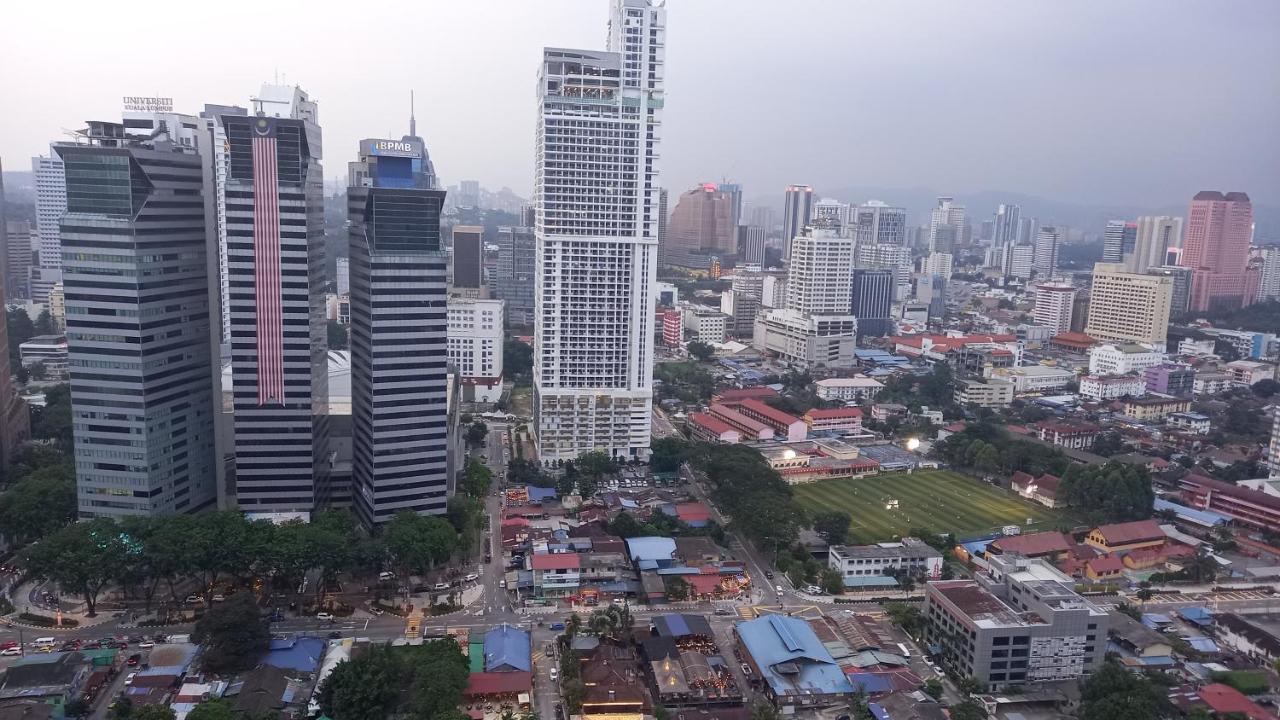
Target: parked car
779	588
324	616
441	586
11	651
555	673
549	650
723	611
145	644
128	679
813	590
134	659
191	599
746	669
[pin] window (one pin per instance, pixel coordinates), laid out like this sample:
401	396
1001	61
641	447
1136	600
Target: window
1000	641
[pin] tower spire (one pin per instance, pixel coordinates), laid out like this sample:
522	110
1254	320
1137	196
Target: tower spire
413	122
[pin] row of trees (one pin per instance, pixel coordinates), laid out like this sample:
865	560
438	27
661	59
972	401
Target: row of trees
989	448
40	496
422	681
152	558
756	499
1115	492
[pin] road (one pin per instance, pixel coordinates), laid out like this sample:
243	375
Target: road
662	427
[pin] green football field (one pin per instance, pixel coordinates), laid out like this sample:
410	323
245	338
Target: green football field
939	500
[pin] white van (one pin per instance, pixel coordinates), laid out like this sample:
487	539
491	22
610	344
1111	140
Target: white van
44	642
386	575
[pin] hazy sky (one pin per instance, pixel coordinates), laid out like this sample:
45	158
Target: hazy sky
1137	101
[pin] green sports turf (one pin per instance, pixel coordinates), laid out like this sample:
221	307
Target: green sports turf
940	500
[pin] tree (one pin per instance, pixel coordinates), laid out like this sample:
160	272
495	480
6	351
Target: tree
1114	492
418	543
476	433
234	634
517	360
41	496
700	350
38	371
20	329
44	324
764	711
832	581
832	525
1108	444
667	454
212	710
476	478
931	687
1266	388
154	712
79	708
338	338
968	710
53	421
423	681
82	557
677	588
1113	693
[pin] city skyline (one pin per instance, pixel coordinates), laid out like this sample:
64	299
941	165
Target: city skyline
1075	68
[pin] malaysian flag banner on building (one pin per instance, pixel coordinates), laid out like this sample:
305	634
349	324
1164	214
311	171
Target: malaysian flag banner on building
266	260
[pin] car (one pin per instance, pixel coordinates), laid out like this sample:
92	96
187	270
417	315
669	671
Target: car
324	616
335	635
11	651
386	575
768	574
502	583
557	626
619	601
8	644
555	673
146	644
779	588
813	590
746	669
219	597
191	599
70	647
134	659
135	639
549	650
440	586
723	611
471	577
128	679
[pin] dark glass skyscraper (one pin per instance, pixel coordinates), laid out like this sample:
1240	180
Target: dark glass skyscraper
135	242
399	322
871	300
514	274
275	259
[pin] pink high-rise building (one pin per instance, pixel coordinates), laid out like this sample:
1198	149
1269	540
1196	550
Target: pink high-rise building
1216	248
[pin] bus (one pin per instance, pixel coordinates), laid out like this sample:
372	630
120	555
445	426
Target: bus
905	652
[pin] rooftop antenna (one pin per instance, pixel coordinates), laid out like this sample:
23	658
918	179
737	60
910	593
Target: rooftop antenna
413	122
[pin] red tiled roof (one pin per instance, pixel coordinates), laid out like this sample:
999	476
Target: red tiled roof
769	412
1257	497
498	683
711	422
555	561
693	511
1072	337
1033	545
702	584
1130	532
1106	564
828	413
724	411
1049	483
1159	553
1226	699
737	394
1021	479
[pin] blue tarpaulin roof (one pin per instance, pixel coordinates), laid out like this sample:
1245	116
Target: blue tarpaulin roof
539	494
877	712
651	548
507	649
870	682
301	654
1155	620
1202	644
1199	517
1197	615
790	656
870	581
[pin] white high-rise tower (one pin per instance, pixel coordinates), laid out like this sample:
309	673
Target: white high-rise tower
596	196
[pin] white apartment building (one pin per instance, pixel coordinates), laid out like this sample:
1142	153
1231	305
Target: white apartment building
946	222
938	263
1113	359
1110	387
1033	378
857	390
911	555
596	205
475	339
51	204
1210	383
342	272
1054	301
1019	261
1128	307
708	325
830	210
1155	235
1269	282
819	276
806	341
1045	262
